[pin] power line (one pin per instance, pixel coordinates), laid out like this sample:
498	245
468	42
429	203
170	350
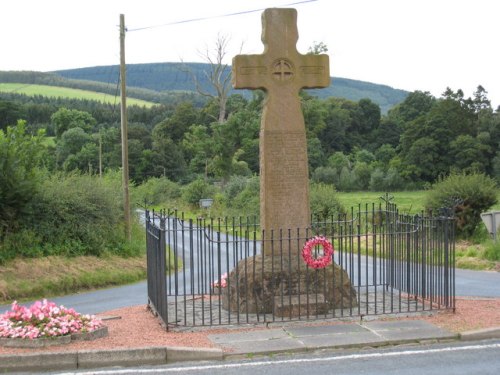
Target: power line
213	17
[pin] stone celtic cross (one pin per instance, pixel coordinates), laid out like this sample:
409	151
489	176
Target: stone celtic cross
282	72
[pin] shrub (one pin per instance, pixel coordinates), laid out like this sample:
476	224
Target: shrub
326	175
324	202
470	194
77	215
156	191
196	190
234	186
247	201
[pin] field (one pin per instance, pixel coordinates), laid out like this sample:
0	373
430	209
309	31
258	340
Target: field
64	92
411	202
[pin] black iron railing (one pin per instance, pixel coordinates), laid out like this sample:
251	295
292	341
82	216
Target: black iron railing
384	263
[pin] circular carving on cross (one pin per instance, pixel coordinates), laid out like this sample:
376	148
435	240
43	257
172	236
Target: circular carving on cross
282	70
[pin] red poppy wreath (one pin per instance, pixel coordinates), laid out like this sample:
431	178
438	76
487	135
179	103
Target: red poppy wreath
320	262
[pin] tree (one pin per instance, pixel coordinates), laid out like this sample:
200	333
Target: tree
165	159
71	143
416	104
317	48
219	75
19	176
10	112
467	153
178	123
65	119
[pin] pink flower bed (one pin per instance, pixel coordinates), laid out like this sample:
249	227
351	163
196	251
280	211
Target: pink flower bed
44	319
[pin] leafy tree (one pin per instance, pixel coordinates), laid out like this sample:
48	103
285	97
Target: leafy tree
165	159
385	153
416	104
71	142
19	175
10	112
315	154
65	119
174	127
85	160
337	122
198	147
467	153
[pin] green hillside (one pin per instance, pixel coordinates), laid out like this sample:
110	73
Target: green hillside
161	77
169	83
65	92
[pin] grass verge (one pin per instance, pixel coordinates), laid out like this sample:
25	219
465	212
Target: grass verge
23	279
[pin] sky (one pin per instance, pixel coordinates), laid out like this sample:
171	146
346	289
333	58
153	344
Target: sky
425	45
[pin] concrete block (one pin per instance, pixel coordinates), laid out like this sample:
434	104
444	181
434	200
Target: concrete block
481	334
122	357
182	354
38	362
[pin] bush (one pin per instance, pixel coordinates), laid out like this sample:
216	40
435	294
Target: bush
156	191
470	194
326	175
247	201
324	202
196	190
77	215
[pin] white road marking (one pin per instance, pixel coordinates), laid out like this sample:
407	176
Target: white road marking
286	361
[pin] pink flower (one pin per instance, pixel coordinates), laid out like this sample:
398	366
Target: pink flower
44	318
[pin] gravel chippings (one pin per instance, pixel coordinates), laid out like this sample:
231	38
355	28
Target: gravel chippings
136	327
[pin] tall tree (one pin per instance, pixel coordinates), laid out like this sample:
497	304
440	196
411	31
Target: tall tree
219	75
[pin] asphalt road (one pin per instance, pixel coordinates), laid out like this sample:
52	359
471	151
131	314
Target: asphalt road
456	358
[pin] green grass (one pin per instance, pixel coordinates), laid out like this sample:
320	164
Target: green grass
411	202
24	279
65	92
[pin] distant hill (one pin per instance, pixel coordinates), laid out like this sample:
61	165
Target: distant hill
66	92
161	77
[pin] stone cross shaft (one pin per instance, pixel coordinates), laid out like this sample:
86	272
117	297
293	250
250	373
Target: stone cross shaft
282	71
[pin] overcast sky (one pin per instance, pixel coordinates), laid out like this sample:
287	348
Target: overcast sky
423	45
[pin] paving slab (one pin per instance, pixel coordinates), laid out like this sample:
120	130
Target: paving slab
265	346
398	325
325	330
417	334
264	334
342	340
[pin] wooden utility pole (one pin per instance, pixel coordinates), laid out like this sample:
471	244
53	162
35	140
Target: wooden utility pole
124	128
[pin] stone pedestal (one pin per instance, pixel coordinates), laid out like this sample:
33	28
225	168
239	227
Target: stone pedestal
285	286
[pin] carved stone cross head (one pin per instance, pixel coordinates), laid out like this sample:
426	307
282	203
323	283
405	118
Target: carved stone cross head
280	67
